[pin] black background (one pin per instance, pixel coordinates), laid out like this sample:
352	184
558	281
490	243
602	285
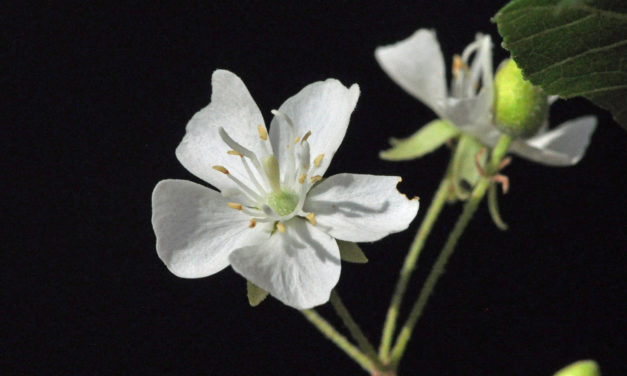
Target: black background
98	100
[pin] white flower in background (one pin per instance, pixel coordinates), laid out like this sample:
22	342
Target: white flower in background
416	64
275	220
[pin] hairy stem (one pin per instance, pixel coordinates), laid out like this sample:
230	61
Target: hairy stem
359	337
469	210
437	203
339	340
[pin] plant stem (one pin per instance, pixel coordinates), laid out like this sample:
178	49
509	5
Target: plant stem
470	207
339	340
363	343
437	203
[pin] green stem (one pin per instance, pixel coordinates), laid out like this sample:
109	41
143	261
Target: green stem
470	207
437	203
365	345
339	340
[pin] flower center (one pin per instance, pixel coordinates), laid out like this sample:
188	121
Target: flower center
273	194
283	203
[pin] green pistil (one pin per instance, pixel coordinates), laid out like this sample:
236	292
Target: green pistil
271	168
283	203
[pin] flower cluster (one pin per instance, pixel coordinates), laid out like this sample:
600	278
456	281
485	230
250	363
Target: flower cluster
417	65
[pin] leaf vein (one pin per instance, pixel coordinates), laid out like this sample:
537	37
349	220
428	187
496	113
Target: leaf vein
600	90
545	31
573	57
606	13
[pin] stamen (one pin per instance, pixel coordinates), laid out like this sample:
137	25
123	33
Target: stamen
301	178
459	64
316	178
253	223
253	212
235	146
234	152
304	155
318	160
234	205
311	217
296	140
281	227
306	136
252	195
284	116
221	169
263	134
252	177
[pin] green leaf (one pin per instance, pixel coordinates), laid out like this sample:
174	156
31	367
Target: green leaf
571	48
256	294
580	368
350	252
464	173
425	140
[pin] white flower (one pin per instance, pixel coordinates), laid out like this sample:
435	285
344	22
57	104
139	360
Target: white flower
275	221
416	64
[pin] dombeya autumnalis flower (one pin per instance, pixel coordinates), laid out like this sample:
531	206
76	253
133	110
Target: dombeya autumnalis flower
416	64
275	219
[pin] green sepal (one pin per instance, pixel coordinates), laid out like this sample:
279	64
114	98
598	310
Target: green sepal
580	368
493	208
350	252
464	174
256	294
425	140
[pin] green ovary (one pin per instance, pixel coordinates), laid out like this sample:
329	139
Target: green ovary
283	203
520	108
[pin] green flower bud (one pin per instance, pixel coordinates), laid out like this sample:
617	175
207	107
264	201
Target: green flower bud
520	108
580	368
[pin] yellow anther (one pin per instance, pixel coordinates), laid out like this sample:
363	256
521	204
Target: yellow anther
253	223
221	169
234	152
311	217
296	140
316	178
318	160
281	227
458	64
263	134
301	178
234	205
306	136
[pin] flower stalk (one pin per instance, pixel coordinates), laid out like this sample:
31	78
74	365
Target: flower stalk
437	203
339	340
498	153
356	332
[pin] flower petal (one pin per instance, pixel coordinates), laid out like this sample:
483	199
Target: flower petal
299	267
196	230
360	208
562	146
324	108
469	113
232	108
416	64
